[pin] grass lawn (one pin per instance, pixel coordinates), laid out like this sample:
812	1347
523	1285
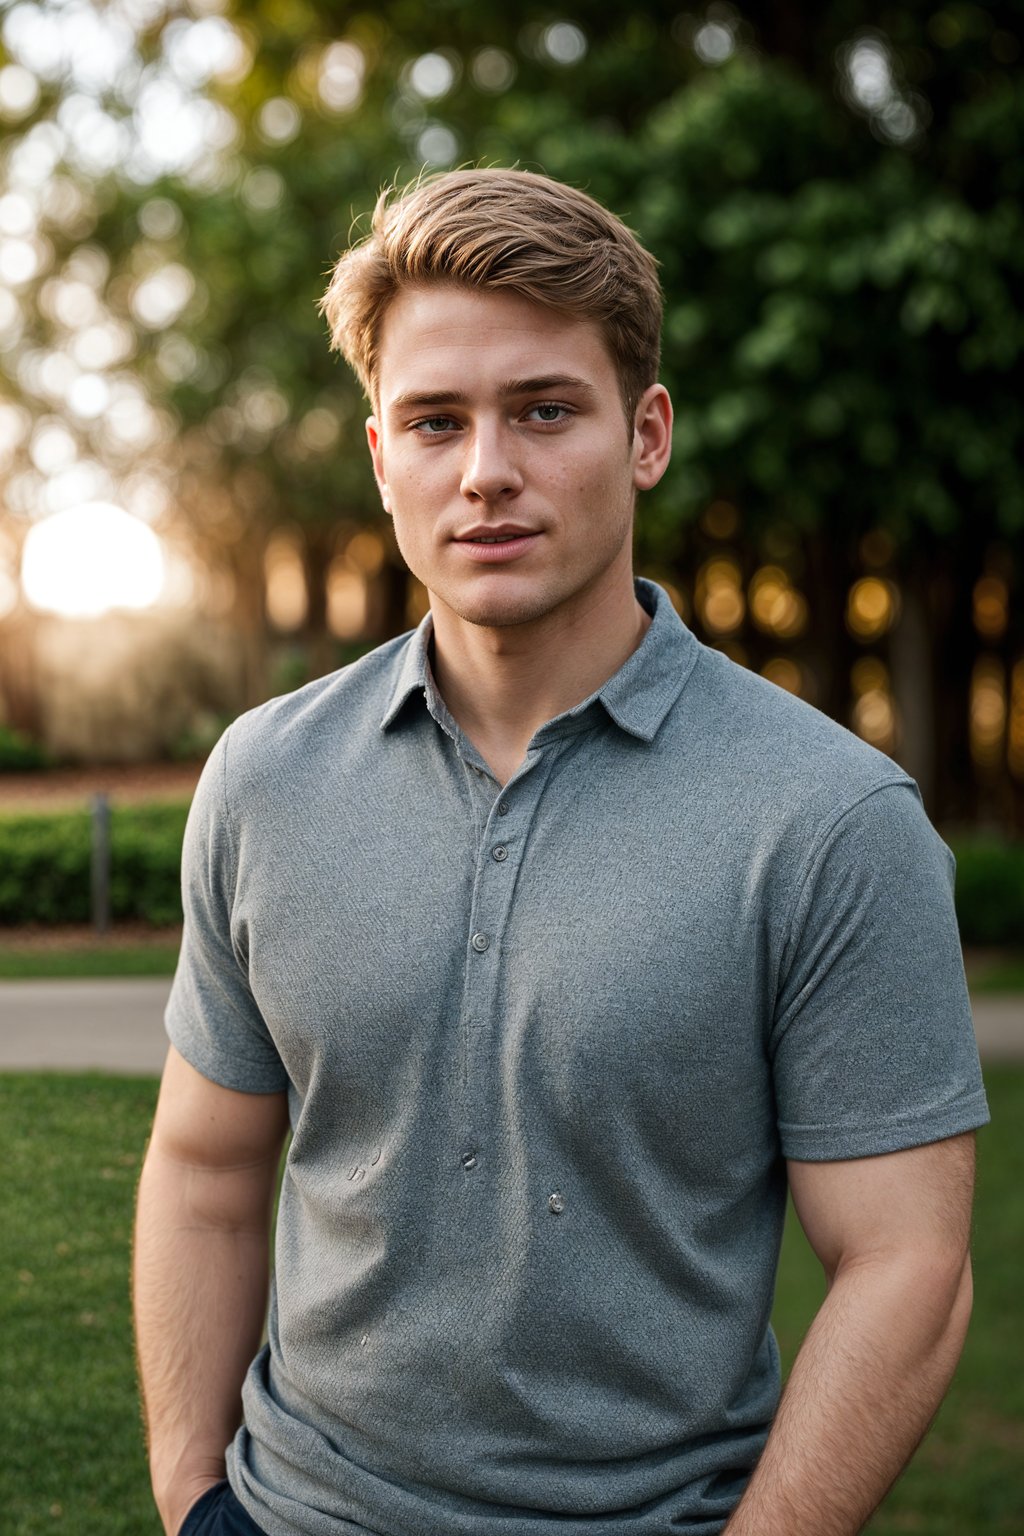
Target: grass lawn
1003	975
129	949
113	960
70	1149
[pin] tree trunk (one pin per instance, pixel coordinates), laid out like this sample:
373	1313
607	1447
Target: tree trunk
317	553
19	692
828	579
955	649
913	678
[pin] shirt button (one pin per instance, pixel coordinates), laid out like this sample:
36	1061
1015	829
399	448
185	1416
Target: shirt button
502	807
556	1203
480	942
499	854
469	1159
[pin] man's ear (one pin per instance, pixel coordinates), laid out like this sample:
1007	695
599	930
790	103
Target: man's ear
652	437
373	437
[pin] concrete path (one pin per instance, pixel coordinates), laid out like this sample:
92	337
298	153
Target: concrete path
74	1026
117	1026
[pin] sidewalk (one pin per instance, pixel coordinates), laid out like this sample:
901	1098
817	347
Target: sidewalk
117	1026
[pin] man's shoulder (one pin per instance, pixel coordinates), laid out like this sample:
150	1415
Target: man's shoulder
338	709
770	744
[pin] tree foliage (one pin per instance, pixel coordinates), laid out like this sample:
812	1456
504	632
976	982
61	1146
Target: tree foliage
835	201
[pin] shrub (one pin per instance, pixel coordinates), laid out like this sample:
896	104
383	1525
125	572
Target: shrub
19	754
45	865
990	892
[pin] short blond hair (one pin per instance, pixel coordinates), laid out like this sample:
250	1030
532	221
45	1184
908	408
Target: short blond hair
510	231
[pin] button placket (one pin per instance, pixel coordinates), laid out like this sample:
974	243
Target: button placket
502	844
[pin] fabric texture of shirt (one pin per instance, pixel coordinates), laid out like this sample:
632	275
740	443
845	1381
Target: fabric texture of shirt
546	1049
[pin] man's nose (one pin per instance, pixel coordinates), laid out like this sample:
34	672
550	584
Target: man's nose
491	469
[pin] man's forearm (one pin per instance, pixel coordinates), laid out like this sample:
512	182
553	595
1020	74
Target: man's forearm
200	1293
865	1385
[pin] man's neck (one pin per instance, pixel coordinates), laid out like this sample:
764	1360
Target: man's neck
501	685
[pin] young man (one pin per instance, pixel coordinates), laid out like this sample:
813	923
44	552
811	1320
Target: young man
563	946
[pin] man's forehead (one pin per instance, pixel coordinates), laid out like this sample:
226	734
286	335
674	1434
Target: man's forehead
442	337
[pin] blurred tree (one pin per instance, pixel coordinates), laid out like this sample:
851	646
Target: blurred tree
835	198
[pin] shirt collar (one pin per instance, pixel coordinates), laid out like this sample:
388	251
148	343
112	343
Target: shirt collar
640	694
412	671
637	697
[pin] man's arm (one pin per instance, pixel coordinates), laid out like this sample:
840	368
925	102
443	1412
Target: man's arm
892	1235
201	1272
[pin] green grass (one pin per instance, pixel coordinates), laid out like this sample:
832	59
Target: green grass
1005	975
72	1446
75	961
73	1457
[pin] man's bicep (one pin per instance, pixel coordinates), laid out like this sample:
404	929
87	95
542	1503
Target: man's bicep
872	1045
201	1124
915	1202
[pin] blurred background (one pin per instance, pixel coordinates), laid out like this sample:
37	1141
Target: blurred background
188	524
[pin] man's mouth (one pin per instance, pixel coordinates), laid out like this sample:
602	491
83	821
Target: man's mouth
498	533
506	541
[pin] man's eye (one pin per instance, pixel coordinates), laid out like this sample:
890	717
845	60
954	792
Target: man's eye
548	412
431	425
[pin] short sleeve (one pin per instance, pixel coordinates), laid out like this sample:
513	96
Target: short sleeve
212	1017
872	1042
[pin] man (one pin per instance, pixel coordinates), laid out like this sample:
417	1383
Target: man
564	946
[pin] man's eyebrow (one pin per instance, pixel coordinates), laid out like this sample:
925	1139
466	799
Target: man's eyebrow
429	397
544	384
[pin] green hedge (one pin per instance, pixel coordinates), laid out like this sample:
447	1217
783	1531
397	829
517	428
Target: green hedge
990	892
19	754
45	865
44	873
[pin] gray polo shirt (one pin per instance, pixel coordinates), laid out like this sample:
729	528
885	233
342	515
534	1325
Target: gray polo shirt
546	1049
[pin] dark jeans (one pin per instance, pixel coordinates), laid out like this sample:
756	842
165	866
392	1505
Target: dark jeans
218	1513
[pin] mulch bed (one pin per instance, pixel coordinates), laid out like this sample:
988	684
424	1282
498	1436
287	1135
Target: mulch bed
40	937
55	789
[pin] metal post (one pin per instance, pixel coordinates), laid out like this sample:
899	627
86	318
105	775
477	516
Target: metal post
100	863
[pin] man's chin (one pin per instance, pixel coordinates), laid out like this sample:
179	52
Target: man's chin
504	610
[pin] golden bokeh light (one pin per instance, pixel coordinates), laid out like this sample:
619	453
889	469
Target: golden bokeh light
365	552
1015	734
874	719
991	607
776	606
869	675
347	600
874	712
872	607
988	711
719	596
784	673
286	597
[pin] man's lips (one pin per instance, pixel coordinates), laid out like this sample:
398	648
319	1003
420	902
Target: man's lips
502	541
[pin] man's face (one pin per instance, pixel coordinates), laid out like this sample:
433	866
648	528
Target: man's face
502	454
